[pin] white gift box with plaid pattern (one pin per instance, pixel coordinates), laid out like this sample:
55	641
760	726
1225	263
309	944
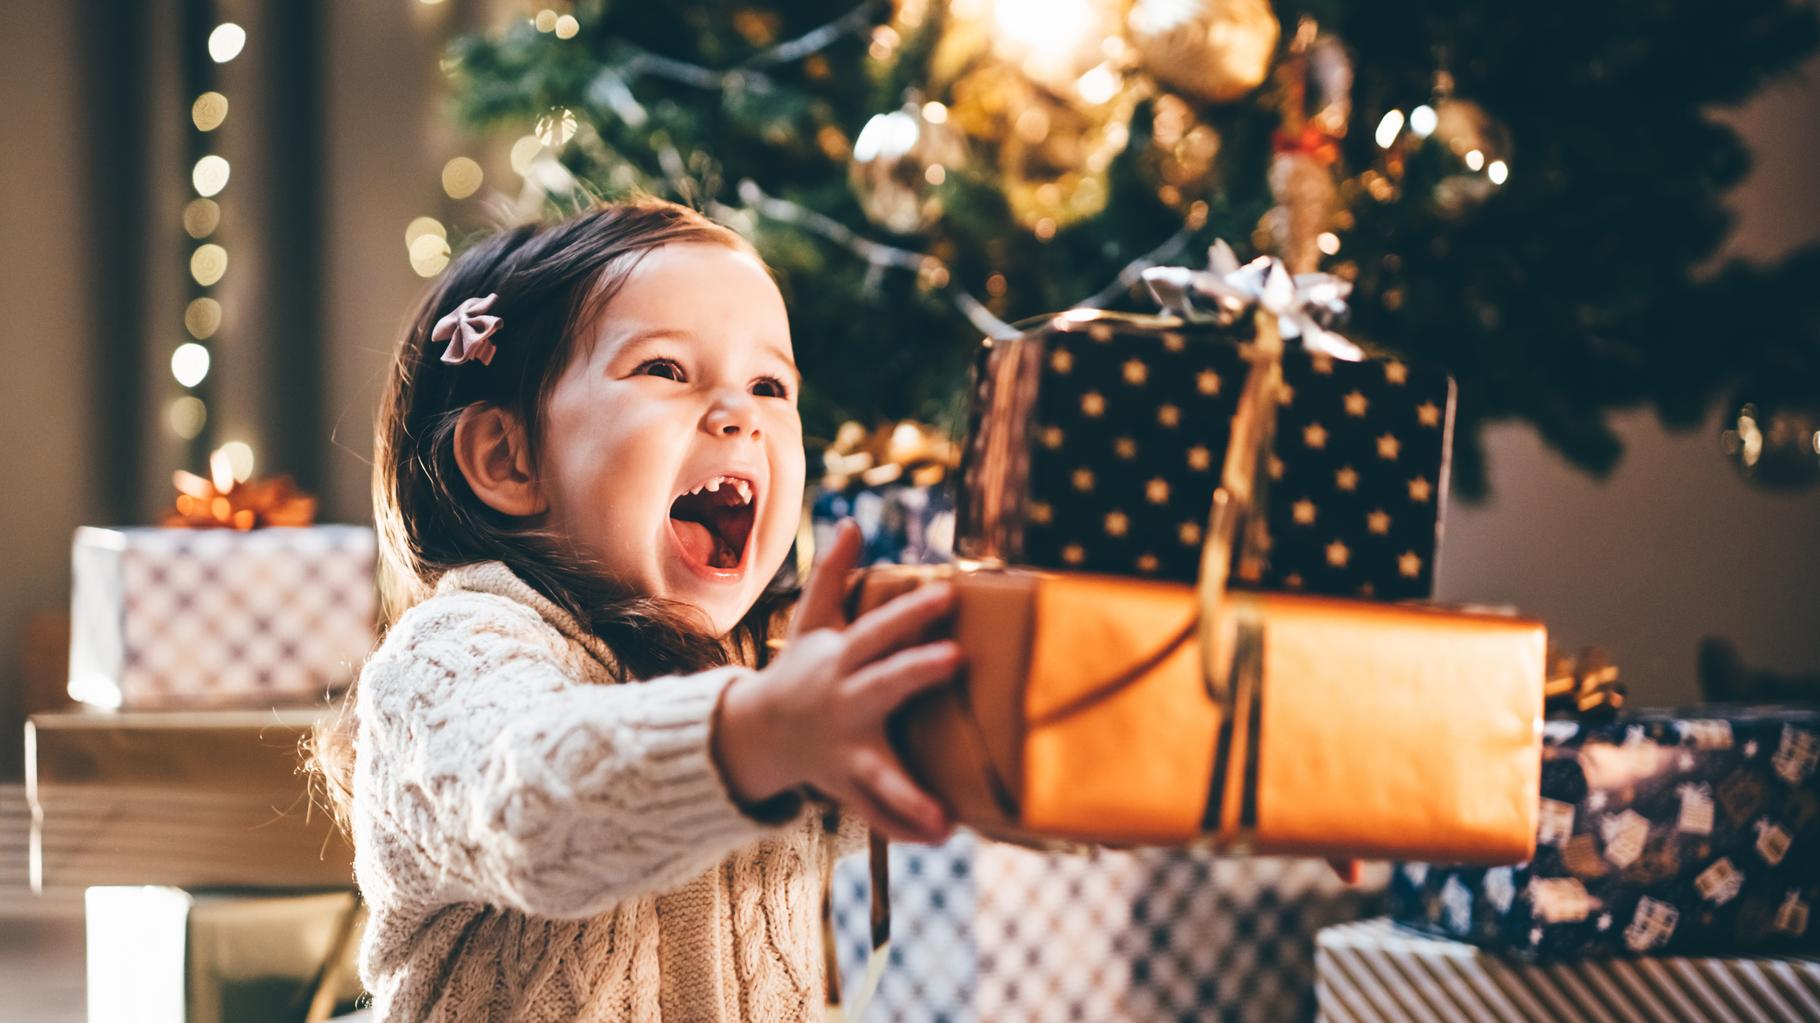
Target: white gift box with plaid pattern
983	932
165	618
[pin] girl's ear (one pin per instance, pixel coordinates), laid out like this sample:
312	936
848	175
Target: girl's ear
495	456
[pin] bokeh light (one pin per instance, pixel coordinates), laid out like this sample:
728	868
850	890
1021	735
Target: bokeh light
187	415
202	318
208	264
239	456
209	110
210	175
190	363
461	177
201	217
226	42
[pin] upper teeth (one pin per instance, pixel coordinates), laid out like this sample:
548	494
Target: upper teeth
741	486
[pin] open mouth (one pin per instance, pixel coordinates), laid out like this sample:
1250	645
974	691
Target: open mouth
713	522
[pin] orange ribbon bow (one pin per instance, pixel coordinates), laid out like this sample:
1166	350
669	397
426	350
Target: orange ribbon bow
222	501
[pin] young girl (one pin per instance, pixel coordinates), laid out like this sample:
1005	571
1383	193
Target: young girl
577	788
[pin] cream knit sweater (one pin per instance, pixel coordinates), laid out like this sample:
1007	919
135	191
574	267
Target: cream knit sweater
535	843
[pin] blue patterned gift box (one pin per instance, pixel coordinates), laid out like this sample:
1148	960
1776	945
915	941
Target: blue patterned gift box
902	523
1693	831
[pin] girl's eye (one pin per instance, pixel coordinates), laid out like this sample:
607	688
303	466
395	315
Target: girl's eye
770	387
669	369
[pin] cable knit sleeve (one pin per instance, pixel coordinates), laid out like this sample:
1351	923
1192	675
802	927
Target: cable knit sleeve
489	769
852	836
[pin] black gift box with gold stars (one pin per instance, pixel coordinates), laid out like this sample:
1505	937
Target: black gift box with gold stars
1097	440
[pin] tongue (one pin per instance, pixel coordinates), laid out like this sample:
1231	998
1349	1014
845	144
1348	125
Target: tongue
698	541
703	544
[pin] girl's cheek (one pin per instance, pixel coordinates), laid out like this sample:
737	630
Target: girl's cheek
788	423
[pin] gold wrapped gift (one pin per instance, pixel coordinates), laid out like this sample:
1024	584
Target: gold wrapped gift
1356	729
191	799
220	956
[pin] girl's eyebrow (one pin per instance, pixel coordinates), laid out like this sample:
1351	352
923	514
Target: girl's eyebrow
784	357
641	338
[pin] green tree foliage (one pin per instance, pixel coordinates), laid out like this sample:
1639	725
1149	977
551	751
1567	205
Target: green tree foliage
1580	286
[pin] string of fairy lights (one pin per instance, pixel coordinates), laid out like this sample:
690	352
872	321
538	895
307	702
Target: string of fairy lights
191	361
426	238
533	158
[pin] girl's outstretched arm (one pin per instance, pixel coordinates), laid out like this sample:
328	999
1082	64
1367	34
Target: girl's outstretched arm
815	718
491	771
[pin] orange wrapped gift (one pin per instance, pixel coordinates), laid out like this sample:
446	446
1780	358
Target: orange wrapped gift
1351	728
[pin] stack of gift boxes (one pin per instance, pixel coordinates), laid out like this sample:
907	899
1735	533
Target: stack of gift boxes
175	796
1091	459
1092	454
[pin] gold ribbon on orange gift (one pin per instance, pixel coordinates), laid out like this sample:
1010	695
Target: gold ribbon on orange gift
1355	729
1118	711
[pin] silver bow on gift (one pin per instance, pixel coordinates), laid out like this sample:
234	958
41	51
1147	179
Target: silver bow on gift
1303	304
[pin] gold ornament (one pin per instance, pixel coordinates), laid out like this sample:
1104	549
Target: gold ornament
899	161
1058	43
1044	87
1053	149
1314	85
1182	151
1773	439
1464	126
1480	145
1216	50
1582	684
888	453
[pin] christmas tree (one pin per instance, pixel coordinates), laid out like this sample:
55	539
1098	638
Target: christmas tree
1527	194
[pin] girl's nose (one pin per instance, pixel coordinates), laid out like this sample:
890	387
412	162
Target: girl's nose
733	414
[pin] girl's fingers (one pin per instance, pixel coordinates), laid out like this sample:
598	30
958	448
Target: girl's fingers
883	686
876	816
826	592
908	810
896	623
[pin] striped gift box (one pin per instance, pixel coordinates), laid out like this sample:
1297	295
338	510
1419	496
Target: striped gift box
1374	971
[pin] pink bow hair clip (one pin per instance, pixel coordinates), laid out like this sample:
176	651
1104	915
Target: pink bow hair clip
468	332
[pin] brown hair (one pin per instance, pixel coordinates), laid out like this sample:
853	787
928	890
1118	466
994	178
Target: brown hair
554	281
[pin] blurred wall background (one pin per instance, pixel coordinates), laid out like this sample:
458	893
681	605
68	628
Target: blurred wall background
336	141
1674	546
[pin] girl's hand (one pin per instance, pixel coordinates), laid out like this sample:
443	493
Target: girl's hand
816	716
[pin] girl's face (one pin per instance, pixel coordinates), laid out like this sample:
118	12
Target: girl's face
672	447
